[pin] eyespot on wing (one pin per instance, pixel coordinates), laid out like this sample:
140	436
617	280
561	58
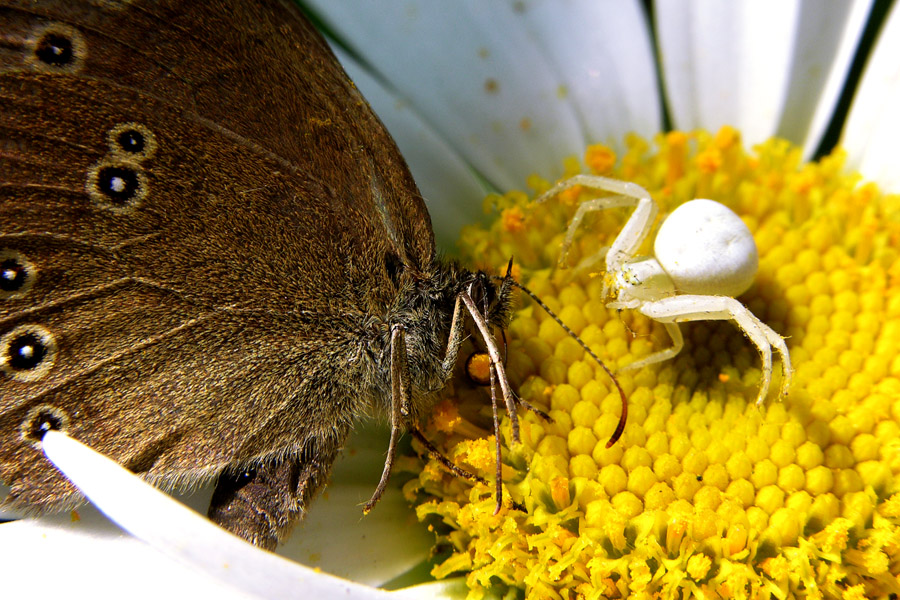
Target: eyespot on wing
707	249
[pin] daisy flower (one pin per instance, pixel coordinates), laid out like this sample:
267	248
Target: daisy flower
705	494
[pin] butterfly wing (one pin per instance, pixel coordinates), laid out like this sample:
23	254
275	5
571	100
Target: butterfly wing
198	216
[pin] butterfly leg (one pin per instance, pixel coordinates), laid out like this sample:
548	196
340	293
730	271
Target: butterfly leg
399	407
262	503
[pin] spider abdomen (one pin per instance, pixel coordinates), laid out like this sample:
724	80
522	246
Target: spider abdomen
707	249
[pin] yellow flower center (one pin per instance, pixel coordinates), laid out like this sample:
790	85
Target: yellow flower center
705	494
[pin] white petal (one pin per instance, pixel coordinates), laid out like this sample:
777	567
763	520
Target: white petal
873	125
92	558
448	589
827	36
450	187
186	536
337	537
491	77
602	53
767	67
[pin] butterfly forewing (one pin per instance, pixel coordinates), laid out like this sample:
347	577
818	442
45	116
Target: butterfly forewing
207	215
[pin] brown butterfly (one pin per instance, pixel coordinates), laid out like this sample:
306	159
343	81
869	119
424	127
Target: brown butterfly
214	258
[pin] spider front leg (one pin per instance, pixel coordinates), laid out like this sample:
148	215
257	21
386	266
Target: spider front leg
677	309
677	344
635	230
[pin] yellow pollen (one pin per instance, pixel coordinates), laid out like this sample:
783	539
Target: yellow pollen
708	162
600	159
513	219
570	196
727	137
445	417
698	566
478	368
705	495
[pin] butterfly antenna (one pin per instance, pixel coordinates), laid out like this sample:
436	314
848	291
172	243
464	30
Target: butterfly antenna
622	419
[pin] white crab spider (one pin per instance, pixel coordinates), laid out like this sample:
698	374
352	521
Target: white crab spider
704	255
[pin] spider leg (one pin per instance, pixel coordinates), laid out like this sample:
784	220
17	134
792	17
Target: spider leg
629	194
589	206
677	344
679	309
587	263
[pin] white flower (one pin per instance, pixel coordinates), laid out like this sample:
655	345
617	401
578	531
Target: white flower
479	95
